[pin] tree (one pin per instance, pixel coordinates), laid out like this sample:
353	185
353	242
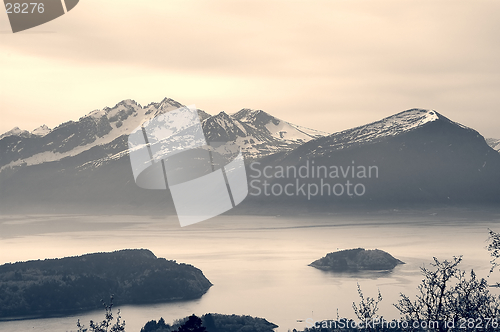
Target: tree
153	326
107	324
193	324
431	303
471	299
494	249
367	308
447	295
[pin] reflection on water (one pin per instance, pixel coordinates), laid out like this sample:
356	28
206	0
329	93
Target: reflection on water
258	265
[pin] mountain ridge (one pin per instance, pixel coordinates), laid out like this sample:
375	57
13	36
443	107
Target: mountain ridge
108	125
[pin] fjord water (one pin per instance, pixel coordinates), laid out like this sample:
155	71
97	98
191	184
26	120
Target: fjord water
258	265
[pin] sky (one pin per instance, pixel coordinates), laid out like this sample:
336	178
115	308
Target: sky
328	65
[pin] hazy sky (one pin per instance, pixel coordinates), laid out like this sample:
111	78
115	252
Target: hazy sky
328	65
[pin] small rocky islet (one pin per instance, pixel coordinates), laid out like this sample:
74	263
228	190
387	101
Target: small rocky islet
358	259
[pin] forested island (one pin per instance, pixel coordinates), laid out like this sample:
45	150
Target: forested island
53	287
212	323
355	260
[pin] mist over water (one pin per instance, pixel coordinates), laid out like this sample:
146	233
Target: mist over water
258	265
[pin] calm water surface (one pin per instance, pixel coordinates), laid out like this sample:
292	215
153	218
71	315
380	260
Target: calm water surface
258	265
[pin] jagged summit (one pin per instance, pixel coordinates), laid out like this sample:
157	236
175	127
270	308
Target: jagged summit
166	102
41	131
222	127
223	120
243	113
97	128
16	132
494	143
222	114
257	133
257	117
277	128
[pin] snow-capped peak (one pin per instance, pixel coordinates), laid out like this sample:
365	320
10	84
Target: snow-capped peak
257	133
96	114
404	121
223	127
259	119
166	103
41	131
394	125
99	127
129	102
222	117
401	122
16	132
494	143
278	128
248	115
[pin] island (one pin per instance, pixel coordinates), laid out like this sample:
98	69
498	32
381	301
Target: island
56	287
356	260
212	323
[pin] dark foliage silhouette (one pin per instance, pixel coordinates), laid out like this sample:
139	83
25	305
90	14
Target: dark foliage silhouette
106	325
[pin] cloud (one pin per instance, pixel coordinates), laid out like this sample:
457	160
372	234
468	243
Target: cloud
346	62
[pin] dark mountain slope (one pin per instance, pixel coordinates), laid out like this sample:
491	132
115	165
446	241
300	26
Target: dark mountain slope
420	158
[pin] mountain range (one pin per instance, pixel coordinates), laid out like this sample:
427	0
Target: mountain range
256	132
417	157
421	157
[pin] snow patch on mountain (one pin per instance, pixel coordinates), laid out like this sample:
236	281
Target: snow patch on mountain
227	123
123	118
397	124
494	143
277	128
257	133
391	126
41	131
289	132
16	132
